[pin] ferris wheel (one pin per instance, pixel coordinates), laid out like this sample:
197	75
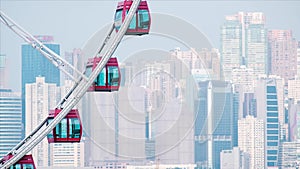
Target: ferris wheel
102	74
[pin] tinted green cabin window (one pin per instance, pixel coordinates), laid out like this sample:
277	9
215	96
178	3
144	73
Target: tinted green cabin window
74	128
61	129
113	76
143	19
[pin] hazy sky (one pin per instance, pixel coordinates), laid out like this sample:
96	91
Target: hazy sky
72	23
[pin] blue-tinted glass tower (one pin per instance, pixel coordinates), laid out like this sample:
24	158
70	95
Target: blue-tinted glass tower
34	64
214	128
272	126
267	110
200	130
235	118
10	120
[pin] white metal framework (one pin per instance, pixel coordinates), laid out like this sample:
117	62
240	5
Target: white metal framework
78	90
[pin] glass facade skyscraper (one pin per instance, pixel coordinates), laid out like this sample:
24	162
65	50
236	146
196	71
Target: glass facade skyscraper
244	42
34	64
231	46
215	126
10	120
256	45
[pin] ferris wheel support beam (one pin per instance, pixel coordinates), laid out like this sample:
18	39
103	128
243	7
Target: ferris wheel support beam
35	43
106	39
60	104
79	91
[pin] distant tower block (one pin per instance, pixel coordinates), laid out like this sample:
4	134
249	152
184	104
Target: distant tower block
2	70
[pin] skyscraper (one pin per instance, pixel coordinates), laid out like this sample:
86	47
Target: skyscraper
2	71
34	64
244	42
268	110
214	127
283	53
249	105
243	79
40	98
251	136
10	120
231	45
10	113
294	121
101	128
72	58
283	127
294	89
256	42
298	60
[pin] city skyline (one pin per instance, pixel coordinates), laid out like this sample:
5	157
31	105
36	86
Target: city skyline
66	27
182	100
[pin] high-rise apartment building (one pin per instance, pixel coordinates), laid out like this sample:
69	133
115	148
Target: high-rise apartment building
34	64
67	154
251	136
214	123
244	42
40	98
294	89
10	120
282	53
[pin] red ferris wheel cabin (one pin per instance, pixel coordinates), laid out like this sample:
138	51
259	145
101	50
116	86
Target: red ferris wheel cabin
108	79
25	162
69	129
141	21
